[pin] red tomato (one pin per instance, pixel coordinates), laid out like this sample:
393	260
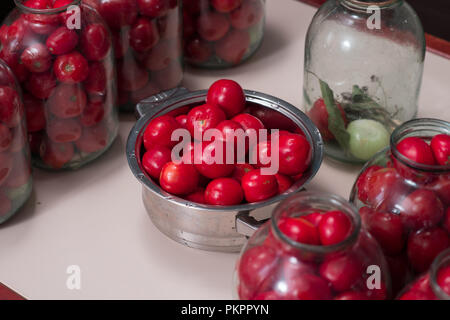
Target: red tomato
319	115
153	8
36	58
6	164
71	68
284	183
421	208
182	120
240	170
202	118
252	127
249	14
385	184
299	230
416	295
233	47
56	155
64	130
295	154
258	187
226	5
417	150
255	266
229	130
446	222
154	160
441	186
443	279
93	139
67	101
170	77
95	83
425	245
314	218
227	95
5	138
363	183
198	50
387	229
307	286
207	164
268	295
9	106
143	35
159	132
334	227
179	179
118	13
440	145
351	295
62	41
92	114
224	192
41	85
342	271
198	196
212	26
34	109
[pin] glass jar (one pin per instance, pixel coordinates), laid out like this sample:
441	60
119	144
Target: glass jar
147	38
433	285
222	33
362	73
273	266
63	59
405	204
15	164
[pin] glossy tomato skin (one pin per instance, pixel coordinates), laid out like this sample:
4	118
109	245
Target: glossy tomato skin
417	150
197	196
294	154
384	183
319	115
179	179
388	230
362	182
334	227
143	35
227	95
299	230
62	41
224	192
36	58
211	165
153	8
67	101
342	271
71	68
118	13
443	279
202	118
240	170
159	132
155	159
440	145
284	182
258	187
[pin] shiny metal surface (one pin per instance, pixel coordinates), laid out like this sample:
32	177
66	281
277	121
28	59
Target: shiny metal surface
203	226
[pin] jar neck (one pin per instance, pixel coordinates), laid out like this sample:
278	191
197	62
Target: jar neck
25	9
425	129
441	261
305	203
364	4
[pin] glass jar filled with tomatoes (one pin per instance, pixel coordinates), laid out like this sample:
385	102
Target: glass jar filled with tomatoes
61	53
313	248
362	74
147	37
222	33
403	196
433	285
15	165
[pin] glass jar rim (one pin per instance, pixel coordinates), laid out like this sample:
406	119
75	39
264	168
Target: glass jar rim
21	6
400	133
441	260
361	4
327	199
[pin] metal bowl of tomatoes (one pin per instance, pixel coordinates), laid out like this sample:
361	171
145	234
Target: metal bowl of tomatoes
223	228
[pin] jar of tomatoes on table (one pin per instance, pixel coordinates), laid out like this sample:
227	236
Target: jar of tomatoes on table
433	285
61	53
222	33
313	248
403	196
15	165
147	45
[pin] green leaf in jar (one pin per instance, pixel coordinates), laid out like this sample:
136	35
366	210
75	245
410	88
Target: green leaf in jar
336	124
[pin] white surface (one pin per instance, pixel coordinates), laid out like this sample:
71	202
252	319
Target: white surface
95	218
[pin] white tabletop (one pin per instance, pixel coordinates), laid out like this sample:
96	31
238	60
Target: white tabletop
94	217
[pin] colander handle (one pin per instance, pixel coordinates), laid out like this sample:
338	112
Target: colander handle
151	102
247	225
